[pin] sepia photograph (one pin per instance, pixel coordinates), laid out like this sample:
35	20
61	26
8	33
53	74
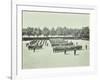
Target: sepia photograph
55	39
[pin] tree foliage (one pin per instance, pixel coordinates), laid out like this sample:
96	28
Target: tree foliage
38	31
85	32
29	31
45	31
60	31
52	32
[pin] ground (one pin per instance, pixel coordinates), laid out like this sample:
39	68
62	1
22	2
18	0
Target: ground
45	58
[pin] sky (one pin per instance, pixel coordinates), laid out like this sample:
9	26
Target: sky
38	19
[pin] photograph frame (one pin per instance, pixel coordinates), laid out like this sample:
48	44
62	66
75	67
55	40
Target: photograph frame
17	73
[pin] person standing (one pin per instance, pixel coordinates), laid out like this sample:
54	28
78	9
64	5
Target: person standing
86	47
34	48
74	51
65	51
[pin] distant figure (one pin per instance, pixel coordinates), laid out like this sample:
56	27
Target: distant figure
86	47
74	51
65	51
34	49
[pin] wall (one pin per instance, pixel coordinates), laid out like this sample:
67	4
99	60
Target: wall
5	41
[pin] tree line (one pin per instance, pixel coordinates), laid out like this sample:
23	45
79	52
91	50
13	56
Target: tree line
60	31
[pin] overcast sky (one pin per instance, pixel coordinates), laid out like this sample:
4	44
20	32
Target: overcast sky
47	19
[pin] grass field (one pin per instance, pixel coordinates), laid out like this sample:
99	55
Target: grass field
45	58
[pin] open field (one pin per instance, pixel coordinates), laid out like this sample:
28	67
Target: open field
45	58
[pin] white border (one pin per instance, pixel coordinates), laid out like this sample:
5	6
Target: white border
18	73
